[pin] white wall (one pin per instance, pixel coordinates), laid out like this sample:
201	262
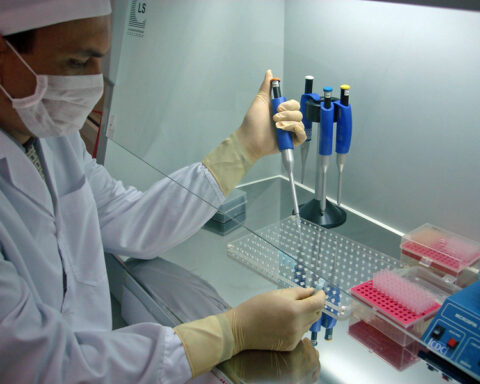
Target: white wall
414	73
188	82
415	78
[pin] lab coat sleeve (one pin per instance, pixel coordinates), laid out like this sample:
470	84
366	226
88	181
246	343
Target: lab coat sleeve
37	346
143	225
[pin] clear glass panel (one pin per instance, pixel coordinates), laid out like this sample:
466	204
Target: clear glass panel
288	252
185	83
186	75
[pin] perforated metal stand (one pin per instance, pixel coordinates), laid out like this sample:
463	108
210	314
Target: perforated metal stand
333	216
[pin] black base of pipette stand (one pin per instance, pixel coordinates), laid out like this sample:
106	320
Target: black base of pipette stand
333	216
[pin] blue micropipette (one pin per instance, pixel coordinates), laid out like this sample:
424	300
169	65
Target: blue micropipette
344	134
324	146
306	123
285	142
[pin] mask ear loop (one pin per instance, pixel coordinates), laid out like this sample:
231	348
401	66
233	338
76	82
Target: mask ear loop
23	61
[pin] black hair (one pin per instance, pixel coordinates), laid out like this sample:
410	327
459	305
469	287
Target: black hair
22	41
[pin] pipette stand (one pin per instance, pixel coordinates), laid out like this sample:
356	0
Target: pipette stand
333	216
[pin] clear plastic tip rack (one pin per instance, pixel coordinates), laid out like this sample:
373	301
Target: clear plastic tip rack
295	252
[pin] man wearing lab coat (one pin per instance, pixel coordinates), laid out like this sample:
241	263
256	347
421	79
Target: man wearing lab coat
59	211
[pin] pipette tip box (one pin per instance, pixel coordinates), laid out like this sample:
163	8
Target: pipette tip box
400	313
440	249
408	297
230	215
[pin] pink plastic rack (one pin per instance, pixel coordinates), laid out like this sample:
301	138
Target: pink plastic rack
389	307
439	257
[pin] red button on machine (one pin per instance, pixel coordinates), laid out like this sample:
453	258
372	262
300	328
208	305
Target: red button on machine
452	343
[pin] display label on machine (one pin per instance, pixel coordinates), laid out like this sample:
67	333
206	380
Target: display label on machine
463	319
438	347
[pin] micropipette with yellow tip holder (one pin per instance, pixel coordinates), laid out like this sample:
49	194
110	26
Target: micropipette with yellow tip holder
344	134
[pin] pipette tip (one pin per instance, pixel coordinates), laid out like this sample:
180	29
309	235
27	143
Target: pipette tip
339	188
340	164
329	334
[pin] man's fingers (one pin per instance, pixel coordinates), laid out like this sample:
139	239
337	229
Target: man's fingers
295	127
265	87
315	303
311	317
288	116
298	293
290	105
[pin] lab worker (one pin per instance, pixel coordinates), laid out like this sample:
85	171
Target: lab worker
59	211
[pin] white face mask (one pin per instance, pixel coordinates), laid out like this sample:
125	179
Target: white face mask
60	104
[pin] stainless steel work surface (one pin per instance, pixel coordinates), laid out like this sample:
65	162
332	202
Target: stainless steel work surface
344	359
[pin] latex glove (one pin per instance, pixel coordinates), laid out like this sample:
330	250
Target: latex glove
255	138
257	133
228	163
275	320
207	342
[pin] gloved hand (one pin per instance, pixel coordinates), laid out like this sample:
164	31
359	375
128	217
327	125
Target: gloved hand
257	135
255	138
275	320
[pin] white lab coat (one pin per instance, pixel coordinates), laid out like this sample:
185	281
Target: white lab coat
46	336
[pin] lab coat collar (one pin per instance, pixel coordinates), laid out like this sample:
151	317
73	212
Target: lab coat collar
16	168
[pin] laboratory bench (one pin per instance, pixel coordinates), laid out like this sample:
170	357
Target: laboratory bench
343	359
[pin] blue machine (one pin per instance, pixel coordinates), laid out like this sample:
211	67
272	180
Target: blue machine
455	330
